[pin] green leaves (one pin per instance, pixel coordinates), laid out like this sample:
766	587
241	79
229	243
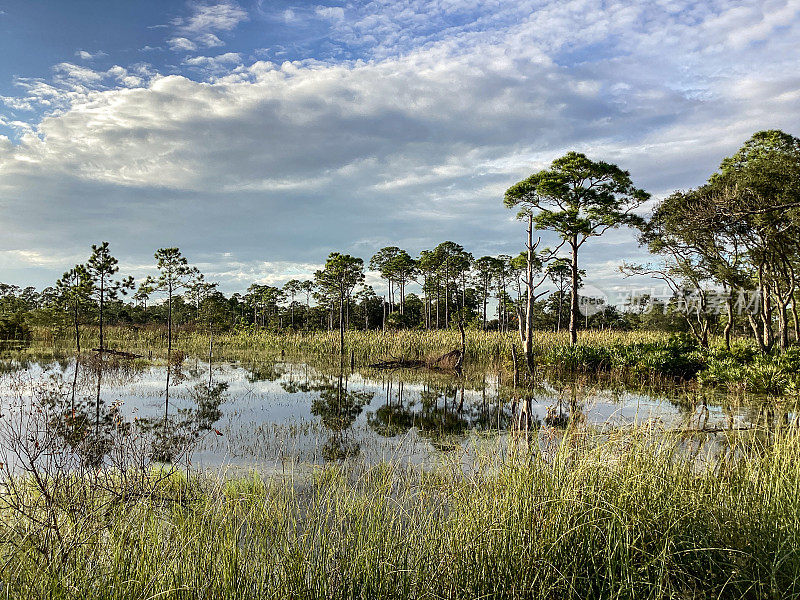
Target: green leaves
100	268
341	274
174	270
577	197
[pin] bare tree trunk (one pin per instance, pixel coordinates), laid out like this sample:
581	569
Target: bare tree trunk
77	329
573	312
485	294
755	325
528	341
446	299
560	309
783	323
97	398
341	324
438	300
169	354
102	293
729	324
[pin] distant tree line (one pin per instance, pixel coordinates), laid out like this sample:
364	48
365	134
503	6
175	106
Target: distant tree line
484	293
736	236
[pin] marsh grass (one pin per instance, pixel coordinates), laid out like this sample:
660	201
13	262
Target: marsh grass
636	515
643	361
364	346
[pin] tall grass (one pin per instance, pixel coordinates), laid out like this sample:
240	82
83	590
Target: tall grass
365	346
637	516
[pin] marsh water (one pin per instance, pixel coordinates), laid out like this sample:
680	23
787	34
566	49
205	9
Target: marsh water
266	413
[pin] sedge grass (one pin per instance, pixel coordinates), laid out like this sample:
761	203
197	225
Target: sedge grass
364	346
635	516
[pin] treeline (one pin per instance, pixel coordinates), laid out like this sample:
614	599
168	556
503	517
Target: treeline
484	293
729	252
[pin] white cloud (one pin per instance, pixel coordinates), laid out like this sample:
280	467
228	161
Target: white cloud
229	58
181	43
295	160
331	13
76	73
224	16
35	258
85	55
209	40
198	29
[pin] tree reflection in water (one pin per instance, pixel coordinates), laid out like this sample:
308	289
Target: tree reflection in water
77	414
338	408
175	437
438	413
90	427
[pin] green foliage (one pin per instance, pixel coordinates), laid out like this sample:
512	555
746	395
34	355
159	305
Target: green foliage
767	378
580	358
678	357
14	328
406	320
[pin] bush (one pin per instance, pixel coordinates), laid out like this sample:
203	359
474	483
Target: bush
579	358
766	377
724	371
13	327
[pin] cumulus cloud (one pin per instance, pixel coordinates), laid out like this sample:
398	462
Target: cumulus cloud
333	13
287	162
229	58
215	65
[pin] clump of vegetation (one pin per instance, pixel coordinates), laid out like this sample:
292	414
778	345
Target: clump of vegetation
677	357
742	368
14	328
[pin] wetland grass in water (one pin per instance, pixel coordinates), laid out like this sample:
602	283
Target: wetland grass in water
302	480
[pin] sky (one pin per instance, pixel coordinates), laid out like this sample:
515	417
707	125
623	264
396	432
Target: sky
259	136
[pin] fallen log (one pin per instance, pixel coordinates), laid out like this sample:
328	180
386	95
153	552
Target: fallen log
450	361
119	353
446	362
398	363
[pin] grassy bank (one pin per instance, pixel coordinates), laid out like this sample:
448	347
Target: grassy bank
638	516
365	346
637	358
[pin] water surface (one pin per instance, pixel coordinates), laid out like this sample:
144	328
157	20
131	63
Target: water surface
268	414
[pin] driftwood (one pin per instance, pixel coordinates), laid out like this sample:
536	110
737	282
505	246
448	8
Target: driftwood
713	430
119	353
445	362
450	361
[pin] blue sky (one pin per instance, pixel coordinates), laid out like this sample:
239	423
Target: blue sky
260	136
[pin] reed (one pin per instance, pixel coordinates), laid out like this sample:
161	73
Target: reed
637	515
365	346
